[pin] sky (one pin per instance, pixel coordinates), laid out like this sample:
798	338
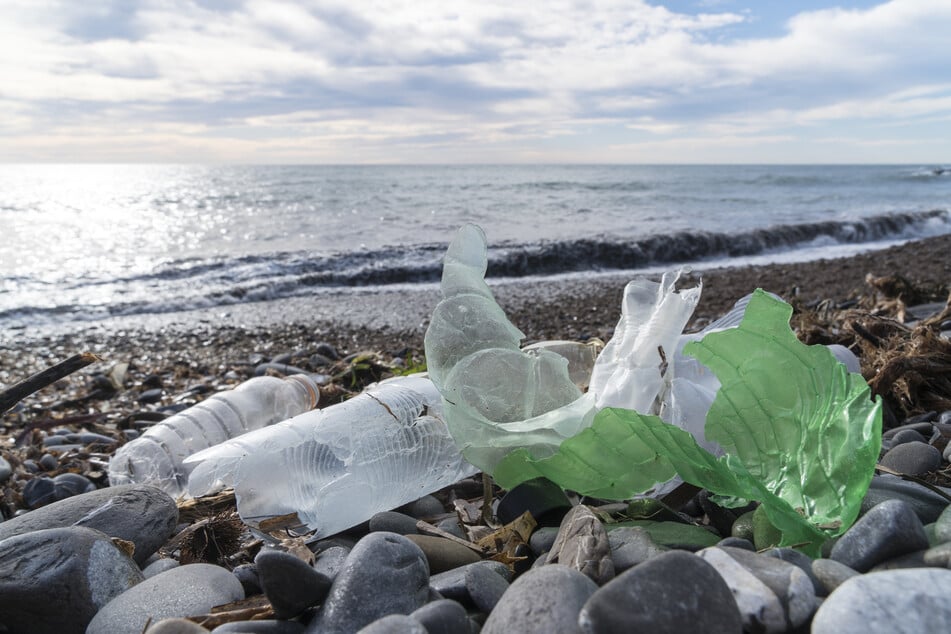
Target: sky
445	81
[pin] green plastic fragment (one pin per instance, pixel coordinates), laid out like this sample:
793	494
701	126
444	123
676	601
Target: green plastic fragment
801	434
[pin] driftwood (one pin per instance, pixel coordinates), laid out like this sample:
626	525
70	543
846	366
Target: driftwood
15	393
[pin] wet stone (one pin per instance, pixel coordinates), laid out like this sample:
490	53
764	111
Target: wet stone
485	587
158	566
141	514
290	584
942	526
926	503
772	594
630	546
671	593
452	583
543	600
67	485
57	579
912	458
179	592
890	602
394	624
443	554
151	396
443	616
831	574
384	574
393	522
330	561
888	530
425	507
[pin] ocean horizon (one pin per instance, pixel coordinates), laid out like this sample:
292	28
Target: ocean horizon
88	241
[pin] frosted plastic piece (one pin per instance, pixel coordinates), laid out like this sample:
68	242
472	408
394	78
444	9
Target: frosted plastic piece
580	356
496	397
628	372
338	466
157	457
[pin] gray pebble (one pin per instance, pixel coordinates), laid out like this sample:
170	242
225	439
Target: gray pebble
451	525
184	591
907	435
393	522
630	546
671	593
542	539
831	574
443	616
247	576
888	530
891	602
485	587
912	458
141	514
804	562
425	507
942	525
175	626
543	600
938	556
330	561
159	566
394	624
926	503
773	595
384	574
290	584
57	579
908	560
452	583
5	470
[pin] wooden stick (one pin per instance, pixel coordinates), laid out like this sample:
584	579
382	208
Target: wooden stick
14	394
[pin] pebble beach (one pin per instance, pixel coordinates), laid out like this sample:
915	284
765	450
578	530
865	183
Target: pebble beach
77	555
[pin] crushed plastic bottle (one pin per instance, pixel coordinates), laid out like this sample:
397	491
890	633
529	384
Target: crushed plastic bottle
157	457
580	356
338	466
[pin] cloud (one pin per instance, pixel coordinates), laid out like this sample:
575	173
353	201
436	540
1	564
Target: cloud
262	81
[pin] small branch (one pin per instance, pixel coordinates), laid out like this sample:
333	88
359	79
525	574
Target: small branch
14	394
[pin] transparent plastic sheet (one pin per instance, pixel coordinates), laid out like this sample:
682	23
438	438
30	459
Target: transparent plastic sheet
498	398
337	466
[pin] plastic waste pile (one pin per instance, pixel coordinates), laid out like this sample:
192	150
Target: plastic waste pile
741	408
157	457
337	466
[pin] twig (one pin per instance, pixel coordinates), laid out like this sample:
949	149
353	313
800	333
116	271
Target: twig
911	478
14	394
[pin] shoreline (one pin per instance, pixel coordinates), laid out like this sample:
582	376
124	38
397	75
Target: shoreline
393	321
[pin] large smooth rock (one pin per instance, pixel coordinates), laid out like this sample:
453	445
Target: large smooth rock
184	591
927	504
543	600
290	583
443	616
137	513
454	584
908	601
443	554
384	574
55	580
671	593
912	458
773	595
888	530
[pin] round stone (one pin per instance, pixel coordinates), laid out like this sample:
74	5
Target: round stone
542	600
912	458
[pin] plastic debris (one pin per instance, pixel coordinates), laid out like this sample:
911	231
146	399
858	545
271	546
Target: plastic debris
335	467
157	457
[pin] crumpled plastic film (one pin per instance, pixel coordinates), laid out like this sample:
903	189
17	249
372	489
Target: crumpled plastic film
496	397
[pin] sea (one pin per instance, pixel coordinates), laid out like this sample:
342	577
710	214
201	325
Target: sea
85	242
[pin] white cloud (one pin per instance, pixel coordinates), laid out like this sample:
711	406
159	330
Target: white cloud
295	78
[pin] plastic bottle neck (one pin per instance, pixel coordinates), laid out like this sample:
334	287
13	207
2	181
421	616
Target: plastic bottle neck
309	385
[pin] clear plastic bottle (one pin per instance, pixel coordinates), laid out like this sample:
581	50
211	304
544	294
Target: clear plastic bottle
336	467
157	457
